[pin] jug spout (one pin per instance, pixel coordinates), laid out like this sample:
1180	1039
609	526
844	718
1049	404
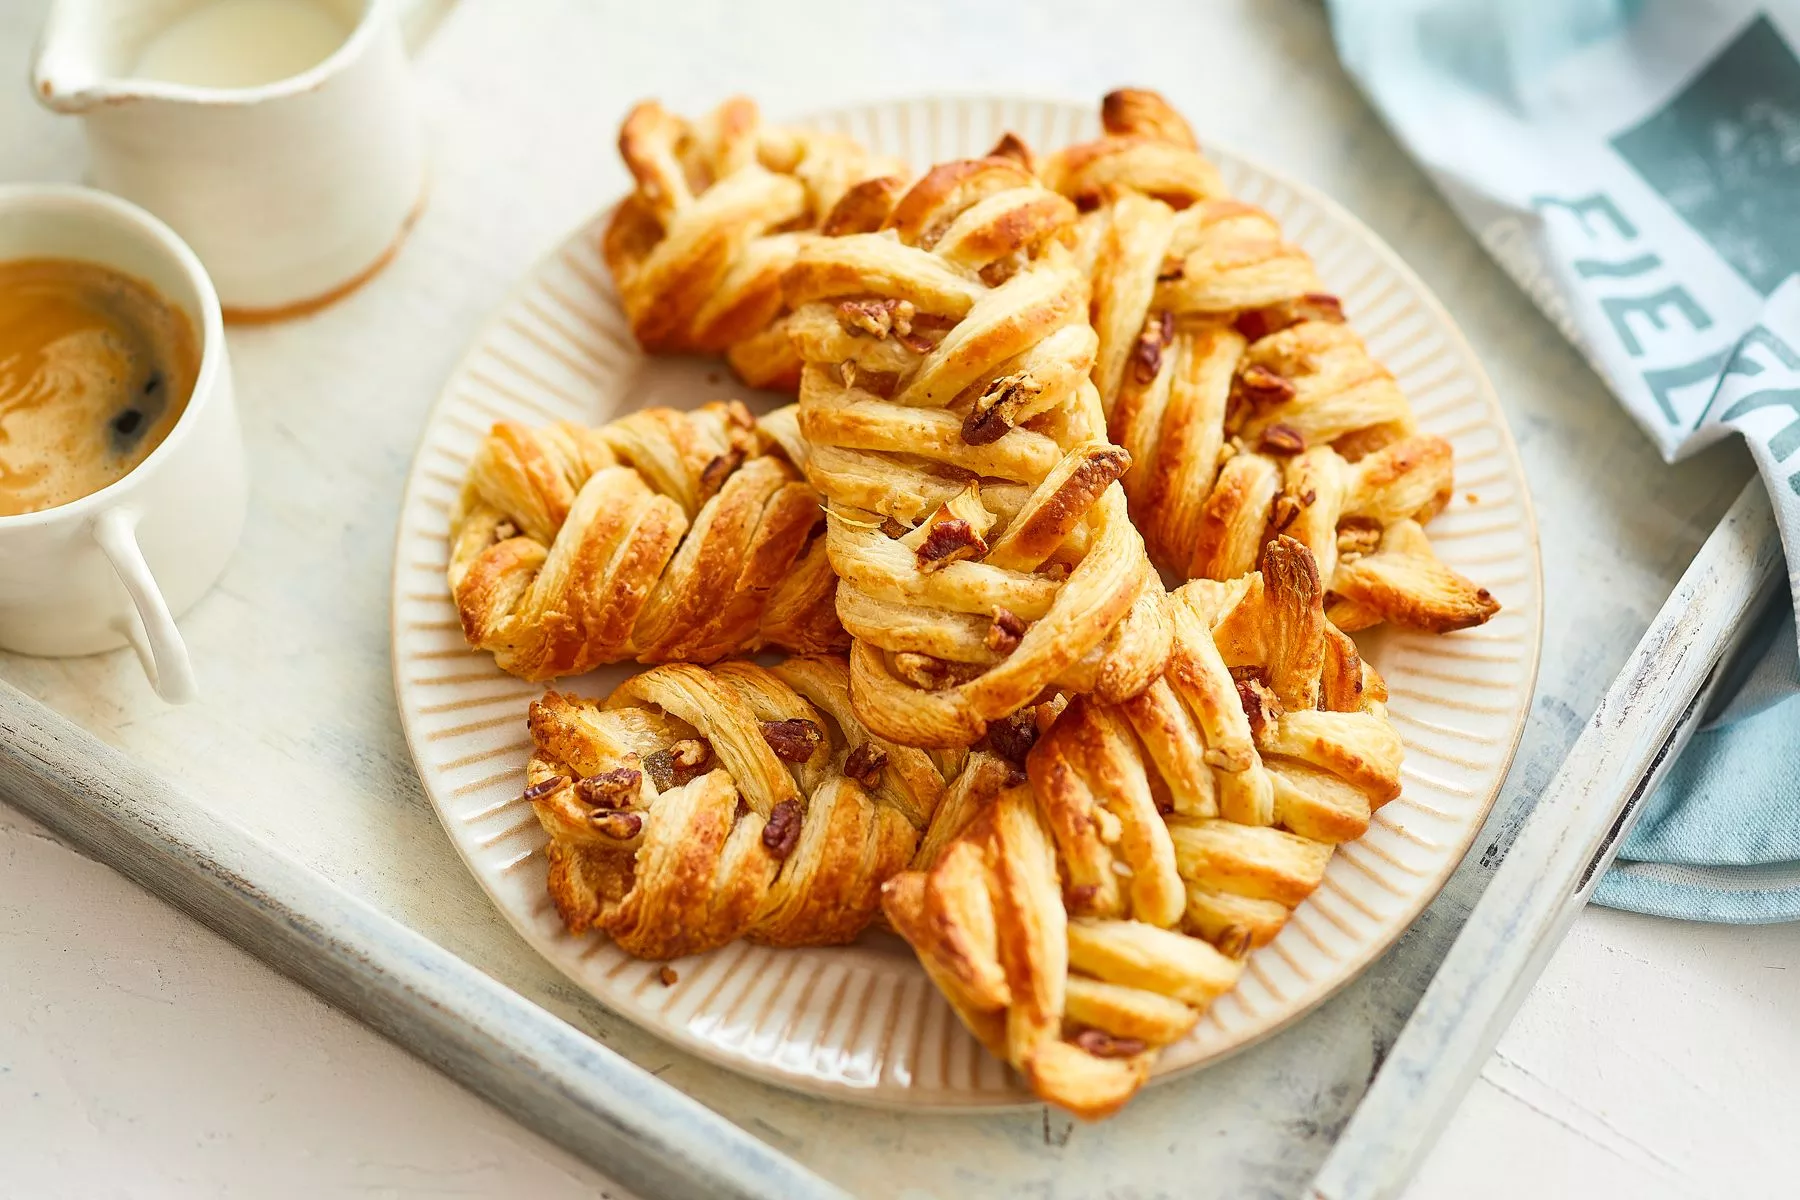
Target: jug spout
85	53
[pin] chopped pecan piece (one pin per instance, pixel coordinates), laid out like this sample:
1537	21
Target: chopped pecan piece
544	787
1284	512
794	739
915	341
668	976
1260	387
1013	737
718	470
947	541
621	825
895	529
1282	439
1101	1044
876	383
877	318
1146	357
782	833
864	764
993	411
690	754
922	670
612	789
1260	704
1004	634
1356	537
1258	323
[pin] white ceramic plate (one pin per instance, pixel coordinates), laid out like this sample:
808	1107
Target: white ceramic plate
862	1022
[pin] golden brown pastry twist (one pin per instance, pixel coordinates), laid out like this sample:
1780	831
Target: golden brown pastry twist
662	535
719	209
695	806
1086	919
1248	406
947	415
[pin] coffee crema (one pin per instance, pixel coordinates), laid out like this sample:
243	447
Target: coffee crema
96	367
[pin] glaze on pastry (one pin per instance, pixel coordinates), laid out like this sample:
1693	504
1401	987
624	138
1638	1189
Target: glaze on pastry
663	535
1248	405
1087	917
947	415
719	209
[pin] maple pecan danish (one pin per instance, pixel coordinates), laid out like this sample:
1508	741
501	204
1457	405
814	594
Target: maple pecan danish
696	805
946	413
662	535
719	208
1248	405
1089	915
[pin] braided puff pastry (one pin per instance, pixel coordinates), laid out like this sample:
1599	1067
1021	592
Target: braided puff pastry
720	207
662	535
696	806
947	416
1088	917
1248	406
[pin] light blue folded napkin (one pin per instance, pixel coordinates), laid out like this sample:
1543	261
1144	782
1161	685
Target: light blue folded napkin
1635	165
1720	839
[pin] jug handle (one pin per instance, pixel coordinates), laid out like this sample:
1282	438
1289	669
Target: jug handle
159	646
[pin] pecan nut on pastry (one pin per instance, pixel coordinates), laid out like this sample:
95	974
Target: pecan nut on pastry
947	415
1089	916
695	806
1250	408
719	208
662	535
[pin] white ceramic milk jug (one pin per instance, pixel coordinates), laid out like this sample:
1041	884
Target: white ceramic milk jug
291	189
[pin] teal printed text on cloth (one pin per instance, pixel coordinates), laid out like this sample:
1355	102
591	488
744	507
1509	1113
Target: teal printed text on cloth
1635	165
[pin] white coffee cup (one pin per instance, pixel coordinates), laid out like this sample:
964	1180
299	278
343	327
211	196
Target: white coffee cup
119	565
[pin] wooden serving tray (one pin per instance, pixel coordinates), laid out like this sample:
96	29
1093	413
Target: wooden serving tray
295	742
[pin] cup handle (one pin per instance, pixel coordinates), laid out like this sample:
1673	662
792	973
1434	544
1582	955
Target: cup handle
161	649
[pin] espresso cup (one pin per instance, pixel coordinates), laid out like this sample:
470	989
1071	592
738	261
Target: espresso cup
117	566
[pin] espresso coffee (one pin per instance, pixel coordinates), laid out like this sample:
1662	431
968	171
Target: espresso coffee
95	370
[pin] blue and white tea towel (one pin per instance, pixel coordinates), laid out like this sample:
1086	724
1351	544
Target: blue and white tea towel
1635	166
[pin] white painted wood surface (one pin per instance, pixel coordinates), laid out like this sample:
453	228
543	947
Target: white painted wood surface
1620	1070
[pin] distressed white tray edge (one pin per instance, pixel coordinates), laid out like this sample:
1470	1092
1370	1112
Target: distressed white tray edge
1640	726
527	1062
